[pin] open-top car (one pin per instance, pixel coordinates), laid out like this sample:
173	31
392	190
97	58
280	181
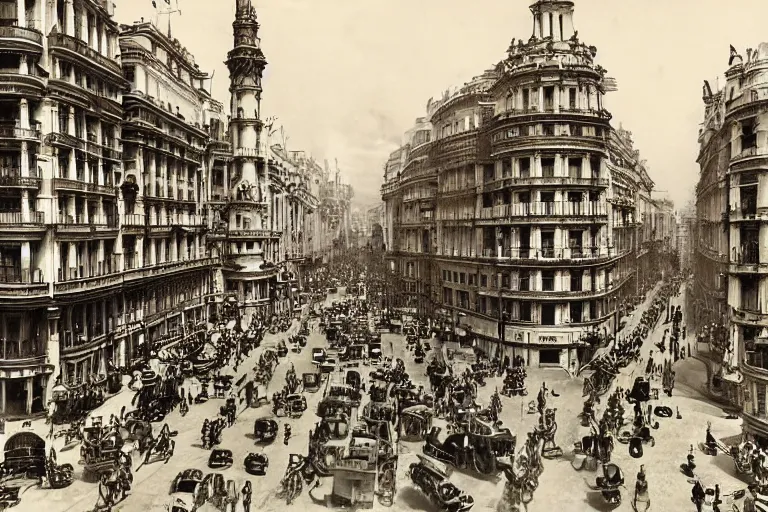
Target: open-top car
256	464
265	430
220	458
187	491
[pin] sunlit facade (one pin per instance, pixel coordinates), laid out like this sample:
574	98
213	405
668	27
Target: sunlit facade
506	217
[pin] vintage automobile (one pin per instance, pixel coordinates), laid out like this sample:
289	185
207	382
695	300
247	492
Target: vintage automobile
416	422
335	427
343	390
265	430
295	405
353	353
311	381
328	365
318	355
374	352
462	451
187	493
220	458
9	496
256	464
282	349
353	379
433	482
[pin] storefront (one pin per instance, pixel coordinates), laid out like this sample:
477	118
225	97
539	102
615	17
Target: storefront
23	391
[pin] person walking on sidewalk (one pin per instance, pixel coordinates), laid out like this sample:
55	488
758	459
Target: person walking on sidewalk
247	492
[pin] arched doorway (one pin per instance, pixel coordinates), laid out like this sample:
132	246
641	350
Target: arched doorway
25	452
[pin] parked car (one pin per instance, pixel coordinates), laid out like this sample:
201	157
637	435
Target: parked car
265	430
256	464
220	458
187	493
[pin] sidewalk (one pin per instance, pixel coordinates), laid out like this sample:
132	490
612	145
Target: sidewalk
125	396
634	319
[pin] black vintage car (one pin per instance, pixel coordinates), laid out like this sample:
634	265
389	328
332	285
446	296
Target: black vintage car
462	451
265	430
282	350
256	464
220	458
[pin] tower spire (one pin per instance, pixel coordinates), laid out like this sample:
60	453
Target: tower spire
246	65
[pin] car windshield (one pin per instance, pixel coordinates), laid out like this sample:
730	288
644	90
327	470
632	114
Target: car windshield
186	486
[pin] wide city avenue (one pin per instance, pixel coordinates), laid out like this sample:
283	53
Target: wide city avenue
491	302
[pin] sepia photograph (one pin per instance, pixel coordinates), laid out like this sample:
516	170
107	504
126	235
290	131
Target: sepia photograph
405	255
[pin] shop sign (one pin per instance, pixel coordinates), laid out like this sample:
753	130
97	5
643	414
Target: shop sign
549	339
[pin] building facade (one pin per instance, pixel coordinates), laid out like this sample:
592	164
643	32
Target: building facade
163	217
125	213
61	116
506	217
708	294
732	196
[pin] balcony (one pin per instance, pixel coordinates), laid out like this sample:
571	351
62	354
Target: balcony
13	83
21	38
164	269
253	234
11	177
18	133
544	181
62	43
550	109
545	209
247	153
80	285
748	261
80	185
8	219
18	282
554	256
749	315
65	140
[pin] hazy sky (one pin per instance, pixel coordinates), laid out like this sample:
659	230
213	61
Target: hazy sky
347	77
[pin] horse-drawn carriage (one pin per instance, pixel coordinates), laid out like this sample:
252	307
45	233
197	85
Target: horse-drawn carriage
102	455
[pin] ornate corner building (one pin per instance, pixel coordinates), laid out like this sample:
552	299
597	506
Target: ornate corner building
130	207
730	258
511	210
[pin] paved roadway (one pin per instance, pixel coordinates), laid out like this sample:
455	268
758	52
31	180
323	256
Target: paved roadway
669	490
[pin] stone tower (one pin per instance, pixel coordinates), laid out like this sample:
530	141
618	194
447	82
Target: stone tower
246	65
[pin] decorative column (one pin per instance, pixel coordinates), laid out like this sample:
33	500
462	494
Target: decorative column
69	21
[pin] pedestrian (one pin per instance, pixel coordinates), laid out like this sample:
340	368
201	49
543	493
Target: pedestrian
247	492
749	500
287	434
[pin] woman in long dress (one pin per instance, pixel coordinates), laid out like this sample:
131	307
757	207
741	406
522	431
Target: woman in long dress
642	501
